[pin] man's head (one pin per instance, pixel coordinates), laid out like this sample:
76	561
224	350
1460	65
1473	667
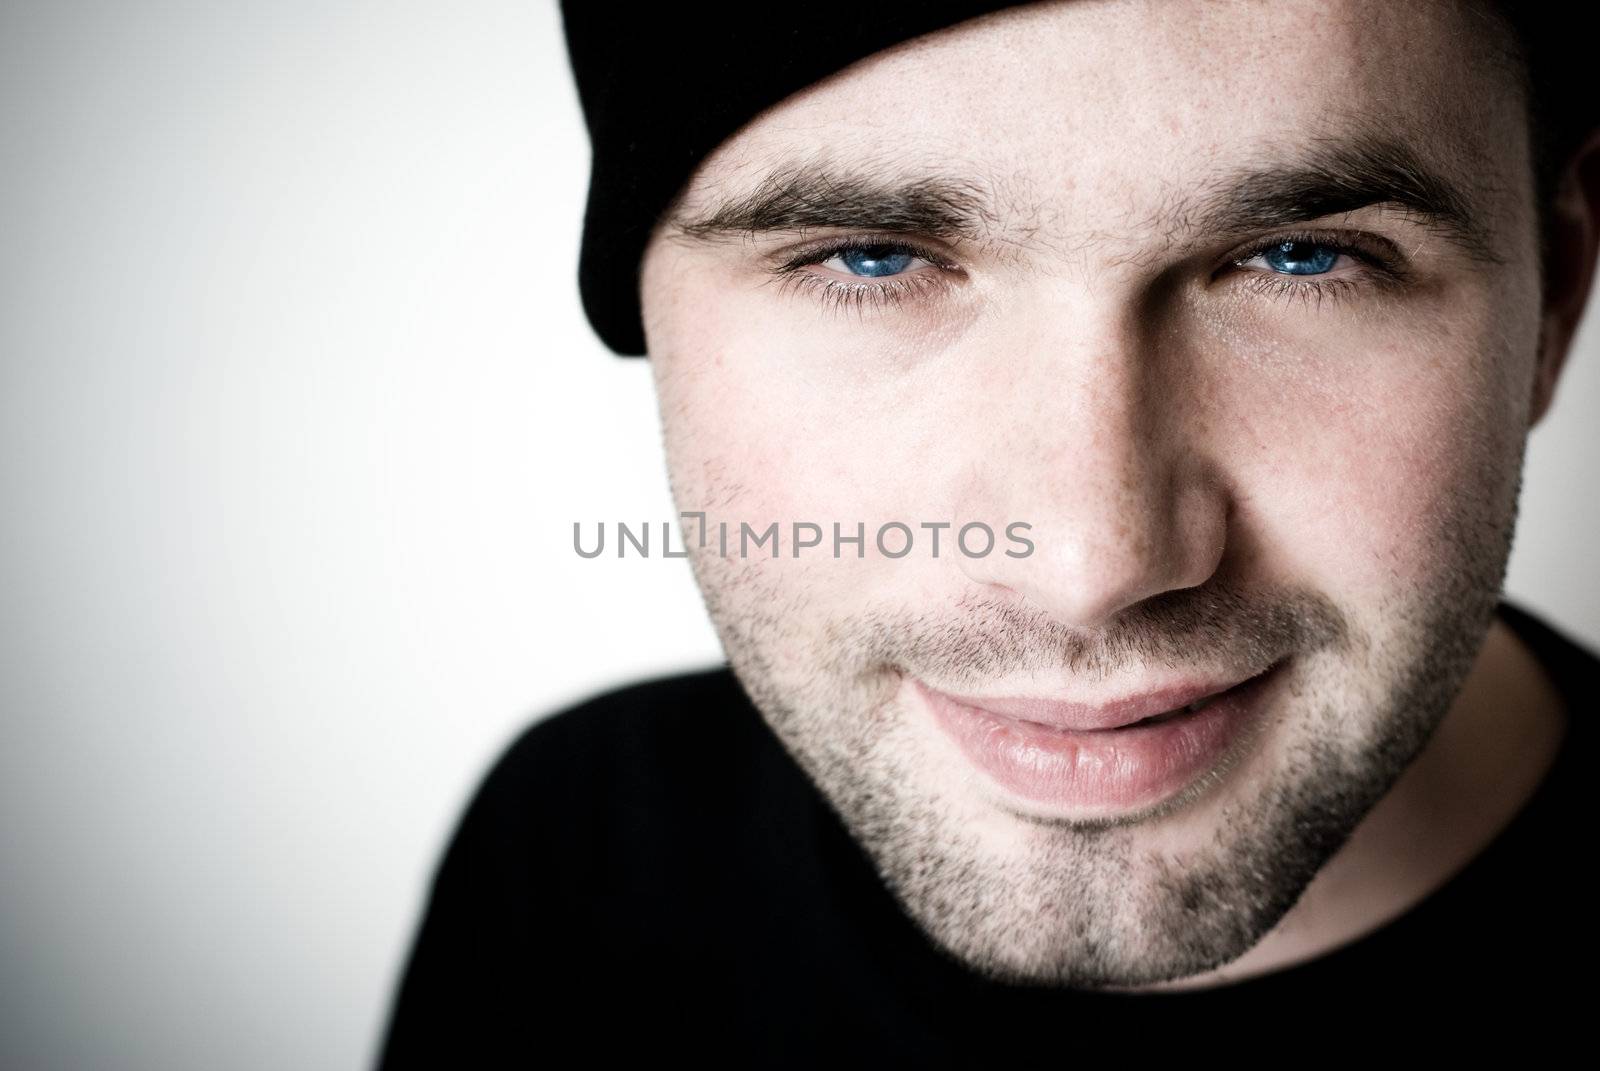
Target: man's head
1240	309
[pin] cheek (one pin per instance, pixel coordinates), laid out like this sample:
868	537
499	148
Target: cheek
816	407
763	428
1363	455
771	424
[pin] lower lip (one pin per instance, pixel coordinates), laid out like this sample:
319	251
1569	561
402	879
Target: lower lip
1104	771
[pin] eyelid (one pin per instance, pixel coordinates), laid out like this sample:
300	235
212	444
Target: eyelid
1383	267
826	248
859	292
1376	251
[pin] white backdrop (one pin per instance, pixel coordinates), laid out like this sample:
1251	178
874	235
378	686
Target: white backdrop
298	411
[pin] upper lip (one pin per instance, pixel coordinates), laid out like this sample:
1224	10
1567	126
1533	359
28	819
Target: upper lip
1110	714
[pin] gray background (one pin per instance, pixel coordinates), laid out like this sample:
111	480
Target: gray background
298	411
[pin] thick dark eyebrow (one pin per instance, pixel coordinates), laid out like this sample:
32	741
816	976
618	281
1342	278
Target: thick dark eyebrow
799	198
1333	175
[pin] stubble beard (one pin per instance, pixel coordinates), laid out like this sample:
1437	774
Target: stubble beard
1095	904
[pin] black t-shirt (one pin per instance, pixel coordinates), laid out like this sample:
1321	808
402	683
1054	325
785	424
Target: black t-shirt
650	874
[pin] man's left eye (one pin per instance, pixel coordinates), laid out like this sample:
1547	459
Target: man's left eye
871	261
1298	258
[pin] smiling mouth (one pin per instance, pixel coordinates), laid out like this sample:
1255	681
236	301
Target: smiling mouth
1092	760
1163	703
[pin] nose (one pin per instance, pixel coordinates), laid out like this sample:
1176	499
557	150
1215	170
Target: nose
1097	447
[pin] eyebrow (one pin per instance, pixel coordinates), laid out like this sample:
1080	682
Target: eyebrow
1338	175
1333	175
796	198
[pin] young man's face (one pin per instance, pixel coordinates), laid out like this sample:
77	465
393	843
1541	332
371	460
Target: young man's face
1236	307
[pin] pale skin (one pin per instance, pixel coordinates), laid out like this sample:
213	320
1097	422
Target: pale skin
1096	357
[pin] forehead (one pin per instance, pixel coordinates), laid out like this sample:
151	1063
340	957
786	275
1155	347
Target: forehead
1091	116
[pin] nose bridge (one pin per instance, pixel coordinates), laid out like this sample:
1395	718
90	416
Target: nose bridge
1094	439
1087	456
1091	453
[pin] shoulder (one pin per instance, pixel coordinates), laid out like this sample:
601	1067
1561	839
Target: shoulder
650	705
561	874
651	746
1573	667
641	721
586	792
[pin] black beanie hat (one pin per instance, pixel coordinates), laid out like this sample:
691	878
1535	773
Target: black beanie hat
662	85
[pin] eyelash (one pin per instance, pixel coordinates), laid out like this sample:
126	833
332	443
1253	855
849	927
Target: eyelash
1380	267
858	295
1379	270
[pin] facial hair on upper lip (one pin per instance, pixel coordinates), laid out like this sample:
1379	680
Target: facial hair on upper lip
1213	629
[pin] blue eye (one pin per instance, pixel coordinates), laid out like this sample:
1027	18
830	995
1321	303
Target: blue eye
1300	258
869	273
874	261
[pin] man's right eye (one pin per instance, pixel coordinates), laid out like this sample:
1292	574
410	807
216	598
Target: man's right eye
877	272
